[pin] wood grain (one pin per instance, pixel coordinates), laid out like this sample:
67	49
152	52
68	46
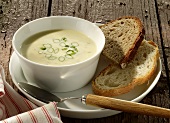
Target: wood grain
164	20
155	15
14	14
126	106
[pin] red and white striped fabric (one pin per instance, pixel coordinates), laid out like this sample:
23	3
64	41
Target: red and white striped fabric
16	109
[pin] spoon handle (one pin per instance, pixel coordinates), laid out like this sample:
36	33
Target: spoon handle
126	106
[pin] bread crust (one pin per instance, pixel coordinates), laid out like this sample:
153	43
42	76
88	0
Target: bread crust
131	85
133	49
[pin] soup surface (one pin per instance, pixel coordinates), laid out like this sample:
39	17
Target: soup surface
58	47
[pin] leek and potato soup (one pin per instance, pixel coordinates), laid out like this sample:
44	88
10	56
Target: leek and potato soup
58	47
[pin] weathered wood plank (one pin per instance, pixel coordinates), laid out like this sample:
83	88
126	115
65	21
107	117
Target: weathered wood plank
164	19
105	10
13	14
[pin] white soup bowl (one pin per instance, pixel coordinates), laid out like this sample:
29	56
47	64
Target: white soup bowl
62	78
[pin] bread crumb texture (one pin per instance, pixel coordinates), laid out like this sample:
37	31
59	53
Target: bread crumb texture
114	81
121	35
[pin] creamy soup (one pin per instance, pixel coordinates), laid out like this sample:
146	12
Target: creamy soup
58	47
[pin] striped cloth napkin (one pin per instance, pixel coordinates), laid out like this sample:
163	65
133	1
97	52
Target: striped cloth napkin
16	109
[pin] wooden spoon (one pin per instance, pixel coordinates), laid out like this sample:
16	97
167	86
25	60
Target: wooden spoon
100	101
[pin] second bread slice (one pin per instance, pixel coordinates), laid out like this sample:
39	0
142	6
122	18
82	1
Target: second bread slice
114	81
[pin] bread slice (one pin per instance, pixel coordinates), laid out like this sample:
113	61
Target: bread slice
114	81
123	37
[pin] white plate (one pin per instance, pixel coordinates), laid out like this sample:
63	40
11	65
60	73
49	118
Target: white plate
74	108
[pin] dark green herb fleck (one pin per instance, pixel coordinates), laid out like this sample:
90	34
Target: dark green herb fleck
43	48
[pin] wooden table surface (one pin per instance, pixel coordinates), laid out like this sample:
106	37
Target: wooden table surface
155	15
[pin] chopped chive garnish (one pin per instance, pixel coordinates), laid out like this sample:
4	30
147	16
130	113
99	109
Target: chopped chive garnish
43	48
74	44
69	56
56	50
50	50
70	52
73	53
47	45
56	40
48	55
62	44
64	39
52	57
76	49
64	48
61	58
